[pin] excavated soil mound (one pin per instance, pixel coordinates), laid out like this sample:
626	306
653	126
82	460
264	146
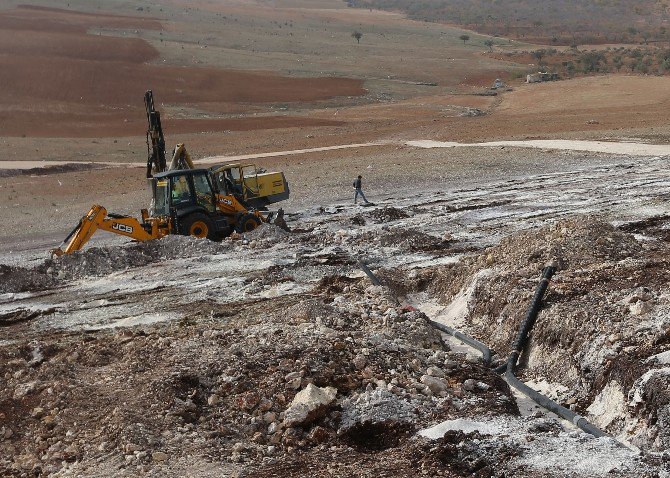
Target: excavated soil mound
411	240
605	314
20	279
100	261
267	234
575	243
388	214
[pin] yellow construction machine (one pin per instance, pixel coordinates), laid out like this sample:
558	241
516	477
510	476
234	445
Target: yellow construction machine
254	188
209	203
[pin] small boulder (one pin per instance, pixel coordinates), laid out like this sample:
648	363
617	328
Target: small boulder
378	408
640	308
159	456
310	403
435	384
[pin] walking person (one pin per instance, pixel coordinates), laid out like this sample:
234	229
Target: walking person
359	191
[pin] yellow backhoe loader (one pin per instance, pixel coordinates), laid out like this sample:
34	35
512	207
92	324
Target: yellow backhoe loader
209	203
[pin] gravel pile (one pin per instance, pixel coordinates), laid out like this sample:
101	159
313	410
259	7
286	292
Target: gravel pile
411	240
387	214
20	279
267	234
100	261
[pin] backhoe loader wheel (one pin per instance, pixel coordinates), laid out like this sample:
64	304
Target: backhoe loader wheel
247	222
198	225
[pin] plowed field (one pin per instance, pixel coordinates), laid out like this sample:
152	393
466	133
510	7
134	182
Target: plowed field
60	79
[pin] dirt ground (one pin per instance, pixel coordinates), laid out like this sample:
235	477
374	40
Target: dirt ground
292	71
272	312
98	373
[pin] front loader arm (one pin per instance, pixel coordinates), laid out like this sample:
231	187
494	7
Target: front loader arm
97	218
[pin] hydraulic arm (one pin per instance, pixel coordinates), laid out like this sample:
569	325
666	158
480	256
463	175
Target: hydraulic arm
156	152
98	218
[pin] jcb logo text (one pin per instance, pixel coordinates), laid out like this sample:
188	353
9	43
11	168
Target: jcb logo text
122	228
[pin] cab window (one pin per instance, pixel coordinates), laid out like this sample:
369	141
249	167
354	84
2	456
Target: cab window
180	190
161	200
203	192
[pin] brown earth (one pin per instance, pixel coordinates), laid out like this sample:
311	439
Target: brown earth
105	106
60	80
70	105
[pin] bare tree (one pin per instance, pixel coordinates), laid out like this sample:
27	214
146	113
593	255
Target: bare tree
357	35
464	38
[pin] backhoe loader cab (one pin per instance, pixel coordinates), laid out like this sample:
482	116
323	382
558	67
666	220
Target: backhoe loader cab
253	187
190	200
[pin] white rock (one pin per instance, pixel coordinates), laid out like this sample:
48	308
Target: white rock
609	405
640	307
308	404
24	389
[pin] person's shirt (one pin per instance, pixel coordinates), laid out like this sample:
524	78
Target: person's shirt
357	183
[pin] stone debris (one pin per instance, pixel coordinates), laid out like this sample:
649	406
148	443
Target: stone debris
388	214
335	375
377	409
267	234
20	279
100	261
436	385
309	404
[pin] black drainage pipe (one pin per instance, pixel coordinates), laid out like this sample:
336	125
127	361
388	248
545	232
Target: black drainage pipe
520	343
474	343
508	369
549	404
531	316
369	273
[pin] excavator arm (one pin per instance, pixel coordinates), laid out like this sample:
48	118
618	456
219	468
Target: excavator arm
155	139
98	218
180	158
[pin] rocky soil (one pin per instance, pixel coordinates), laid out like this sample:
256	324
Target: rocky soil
272	354
603	333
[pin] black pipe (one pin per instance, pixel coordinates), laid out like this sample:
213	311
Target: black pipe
552	406
529	321
369	273
519	343
474	343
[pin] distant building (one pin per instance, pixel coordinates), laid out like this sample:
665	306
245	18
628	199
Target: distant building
541	76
